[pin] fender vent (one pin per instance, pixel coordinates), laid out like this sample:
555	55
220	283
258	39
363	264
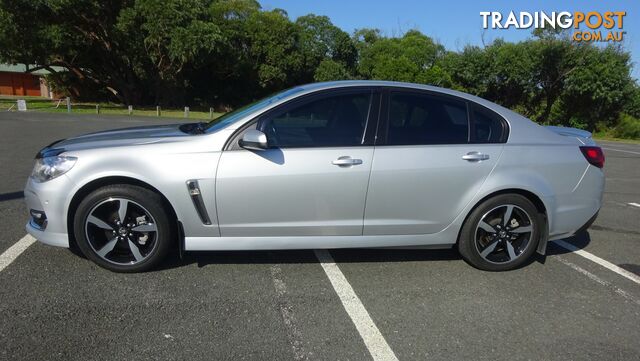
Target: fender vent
198	203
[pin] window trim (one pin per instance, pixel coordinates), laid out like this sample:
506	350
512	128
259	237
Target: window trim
368	139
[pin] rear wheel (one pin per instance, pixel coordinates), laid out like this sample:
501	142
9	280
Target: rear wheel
123	228
501	234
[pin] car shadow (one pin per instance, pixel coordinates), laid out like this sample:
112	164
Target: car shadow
11	196
633	268
274	155
351	255
580	240
358	255
355	255
348	255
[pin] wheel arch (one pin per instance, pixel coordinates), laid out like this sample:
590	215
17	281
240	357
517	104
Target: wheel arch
534	198
91	186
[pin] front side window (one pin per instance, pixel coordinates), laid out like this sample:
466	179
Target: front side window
426	119
235	115
331	121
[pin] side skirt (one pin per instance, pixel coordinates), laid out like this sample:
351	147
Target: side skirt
439	240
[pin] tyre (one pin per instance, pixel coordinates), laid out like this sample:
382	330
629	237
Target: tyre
124	228
501	234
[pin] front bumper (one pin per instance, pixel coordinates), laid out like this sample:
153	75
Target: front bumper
49	198
46	237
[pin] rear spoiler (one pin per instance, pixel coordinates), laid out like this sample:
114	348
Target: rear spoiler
582	136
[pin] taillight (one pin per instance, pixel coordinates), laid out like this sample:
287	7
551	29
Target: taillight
594	155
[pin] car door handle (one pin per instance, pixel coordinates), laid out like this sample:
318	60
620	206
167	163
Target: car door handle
475	156
346	161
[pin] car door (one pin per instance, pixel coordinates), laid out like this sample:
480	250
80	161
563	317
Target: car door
312	180
433	154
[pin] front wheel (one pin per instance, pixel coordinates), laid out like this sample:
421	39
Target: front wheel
501	234
123	228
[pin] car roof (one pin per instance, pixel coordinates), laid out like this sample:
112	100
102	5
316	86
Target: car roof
395	84
311	87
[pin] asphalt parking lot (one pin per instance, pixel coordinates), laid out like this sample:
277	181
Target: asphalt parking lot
55	305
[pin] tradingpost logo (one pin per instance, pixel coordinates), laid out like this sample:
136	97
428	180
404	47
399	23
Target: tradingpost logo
592	26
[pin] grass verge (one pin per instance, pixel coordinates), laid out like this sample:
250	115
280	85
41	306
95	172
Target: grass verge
614	139
47	105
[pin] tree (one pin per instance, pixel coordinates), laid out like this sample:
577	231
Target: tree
228	77
363	38
555	59
71	35
274	49
469	70
331	70
322	41
177	34
549	79
228	52
124	46
632	107
596	91
403	59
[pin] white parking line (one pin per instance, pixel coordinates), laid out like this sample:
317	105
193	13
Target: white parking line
604	263
599	280
620	150
634	204
14	251
373	339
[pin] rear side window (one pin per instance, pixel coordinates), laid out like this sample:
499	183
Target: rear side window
338	120
416	118
488	127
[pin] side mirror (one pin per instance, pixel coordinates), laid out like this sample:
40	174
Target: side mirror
254	139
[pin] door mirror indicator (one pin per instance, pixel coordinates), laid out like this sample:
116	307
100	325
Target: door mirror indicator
254	139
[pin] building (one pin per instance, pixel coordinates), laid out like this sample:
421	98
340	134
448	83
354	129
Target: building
15	80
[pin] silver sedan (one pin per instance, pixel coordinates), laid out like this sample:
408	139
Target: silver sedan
327	165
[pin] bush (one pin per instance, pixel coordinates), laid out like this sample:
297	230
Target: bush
329	70
628	127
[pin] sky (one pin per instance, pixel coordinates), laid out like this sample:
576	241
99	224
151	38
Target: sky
454	23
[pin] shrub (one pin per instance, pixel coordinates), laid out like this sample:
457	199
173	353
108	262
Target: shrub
628	127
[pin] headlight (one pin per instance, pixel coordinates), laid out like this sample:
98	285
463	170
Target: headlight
48	168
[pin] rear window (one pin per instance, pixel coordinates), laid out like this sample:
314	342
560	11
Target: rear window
488	127
416	119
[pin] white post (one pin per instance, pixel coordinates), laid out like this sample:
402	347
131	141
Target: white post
68	105
97	108
210	113
186	112
130	109
22	105
158	110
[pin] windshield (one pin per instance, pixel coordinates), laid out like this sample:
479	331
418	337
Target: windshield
241	112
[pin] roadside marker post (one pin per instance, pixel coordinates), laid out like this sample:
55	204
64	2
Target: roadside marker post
130	109
97	108
158	110
186	112
68	105
22	105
